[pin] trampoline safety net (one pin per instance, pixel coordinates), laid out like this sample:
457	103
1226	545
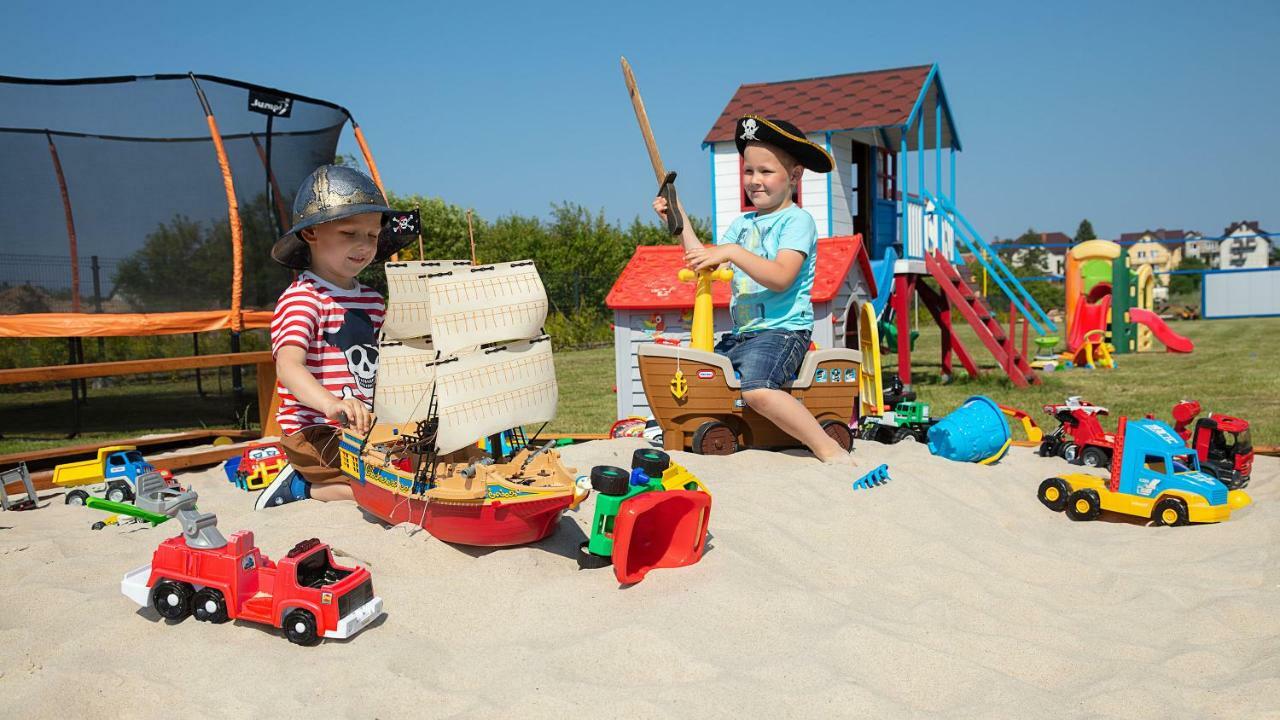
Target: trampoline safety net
112	198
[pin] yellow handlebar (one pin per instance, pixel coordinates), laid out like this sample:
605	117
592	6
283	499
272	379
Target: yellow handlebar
703	330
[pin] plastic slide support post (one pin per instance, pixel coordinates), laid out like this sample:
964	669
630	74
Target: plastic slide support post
902	287
1122	335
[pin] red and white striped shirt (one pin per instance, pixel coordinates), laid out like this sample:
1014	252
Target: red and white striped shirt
339	330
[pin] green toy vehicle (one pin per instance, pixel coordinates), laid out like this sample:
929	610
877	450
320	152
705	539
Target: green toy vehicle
908	420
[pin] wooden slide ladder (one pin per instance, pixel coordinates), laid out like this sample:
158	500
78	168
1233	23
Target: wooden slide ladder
976	311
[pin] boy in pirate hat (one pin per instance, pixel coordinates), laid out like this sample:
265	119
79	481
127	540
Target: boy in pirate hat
324	331
773	250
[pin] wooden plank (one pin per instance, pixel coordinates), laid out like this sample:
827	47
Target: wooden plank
179	460
54	373
80	452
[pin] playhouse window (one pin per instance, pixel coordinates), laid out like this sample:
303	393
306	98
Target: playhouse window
746	203
887	171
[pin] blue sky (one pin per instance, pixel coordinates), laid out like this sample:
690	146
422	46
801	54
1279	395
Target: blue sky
1146	115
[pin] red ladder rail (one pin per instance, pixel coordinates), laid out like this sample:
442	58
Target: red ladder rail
979	316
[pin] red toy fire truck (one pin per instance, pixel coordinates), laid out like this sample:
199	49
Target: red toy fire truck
217	579
1222	443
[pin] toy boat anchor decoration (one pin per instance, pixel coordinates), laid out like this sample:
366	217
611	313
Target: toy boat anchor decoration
462	357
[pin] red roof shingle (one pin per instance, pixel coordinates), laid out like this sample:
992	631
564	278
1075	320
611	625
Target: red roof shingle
878	98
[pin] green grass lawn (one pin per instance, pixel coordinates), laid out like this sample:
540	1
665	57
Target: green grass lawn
1226	373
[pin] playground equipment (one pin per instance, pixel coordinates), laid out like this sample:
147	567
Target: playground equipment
974	432
870	388
1109	307
1153	474
1222	443
200	572
656	516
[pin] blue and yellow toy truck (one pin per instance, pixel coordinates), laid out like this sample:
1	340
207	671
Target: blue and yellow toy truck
115	472
1153	474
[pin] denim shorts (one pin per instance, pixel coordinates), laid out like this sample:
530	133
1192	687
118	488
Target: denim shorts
765	359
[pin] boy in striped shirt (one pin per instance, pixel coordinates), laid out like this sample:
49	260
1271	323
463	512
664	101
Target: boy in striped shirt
325	327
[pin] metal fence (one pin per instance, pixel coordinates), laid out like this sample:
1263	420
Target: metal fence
42	283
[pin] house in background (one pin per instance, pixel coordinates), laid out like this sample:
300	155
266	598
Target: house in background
1054	260
1243	245
1198	247
1160	249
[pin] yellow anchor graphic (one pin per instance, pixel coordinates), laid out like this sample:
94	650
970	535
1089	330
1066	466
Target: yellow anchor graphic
679	386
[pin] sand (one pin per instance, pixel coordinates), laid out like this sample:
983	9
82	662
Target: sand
948	592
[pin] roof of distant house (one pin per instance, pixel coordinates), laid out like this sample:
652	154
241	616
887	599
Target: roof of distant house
1170	239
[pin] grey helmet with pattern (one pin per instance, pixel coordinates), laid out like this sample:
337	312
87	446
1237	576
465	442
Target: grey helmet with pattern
329	193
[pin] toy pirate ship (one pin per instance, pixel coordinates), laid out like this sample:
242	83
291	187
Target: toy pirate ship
462	357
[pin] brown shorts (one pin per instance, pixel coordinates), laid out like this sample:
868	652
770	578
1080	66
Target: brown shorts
313	452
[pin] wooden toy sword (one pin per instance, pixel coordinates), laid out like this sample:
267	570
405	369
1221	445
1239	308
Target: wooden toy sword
666	180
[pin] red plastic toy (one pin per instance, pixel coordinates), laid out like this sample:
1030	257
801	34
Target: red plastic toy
1223	443
218	579
659	530
1079	438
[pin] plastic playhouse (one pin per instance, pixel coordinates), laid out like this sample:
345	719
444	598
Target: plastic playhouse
1110	308
1153	475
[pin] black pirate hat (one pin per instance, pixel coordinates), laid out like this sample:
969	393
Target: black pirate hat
785	136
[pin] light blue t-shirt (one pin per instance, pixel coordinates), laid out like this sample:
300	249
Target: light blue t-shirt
755	307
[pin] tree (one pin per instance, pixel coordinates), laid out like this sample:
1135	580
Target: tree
1187	284
1084	232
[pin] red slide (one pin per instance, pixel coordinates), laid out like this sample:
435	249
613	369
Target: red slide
1172	340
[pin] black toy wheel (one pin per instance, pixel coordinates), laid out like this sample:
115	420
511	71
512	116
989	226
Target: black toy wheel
1053	494
714	438
300	627
171	599
840	432
904	433
588	560
610	480
1095	457
77	497
98	525
653	462
119	492
209	606
1069	451
1170	511
1084	505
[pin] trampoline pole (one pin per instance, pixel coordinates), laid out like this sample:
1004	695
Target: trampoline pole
368	157
71	224
282	213
233	217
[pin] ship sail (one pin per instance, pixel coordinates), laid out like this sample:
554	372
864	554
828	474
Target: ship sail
405	376
479	394
471	306
408	300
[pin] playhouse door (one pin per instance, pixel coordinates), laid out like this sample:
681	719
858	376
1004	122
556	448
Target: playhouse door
885	204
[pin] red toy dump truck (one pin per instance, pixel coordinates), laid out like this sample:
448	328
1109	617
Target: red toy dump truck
217	579
1222	443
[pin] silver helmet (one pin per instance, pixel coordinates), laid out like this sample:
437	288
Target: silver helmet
329	193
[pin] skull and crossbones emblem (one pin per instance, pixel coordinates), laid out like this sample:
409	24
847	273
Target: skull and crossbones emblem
749	127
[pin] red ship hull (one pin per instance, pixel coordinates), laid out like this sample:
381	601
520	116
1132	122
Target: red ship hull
489	524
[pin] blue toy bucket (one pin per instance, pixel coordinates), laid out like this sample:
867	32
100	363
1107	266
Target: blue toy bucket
975	432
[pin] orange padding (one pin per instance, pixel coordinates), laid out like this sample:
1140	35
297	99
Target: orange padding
48	325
